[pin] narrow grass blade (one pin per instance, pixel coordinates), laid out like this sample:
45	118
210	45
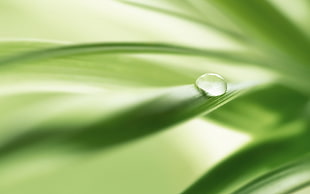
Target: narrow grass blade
137	48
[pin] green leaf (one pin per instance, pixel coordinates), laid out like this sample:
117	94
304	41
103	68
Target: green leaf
271	29
109	120
252	162
69	119
92	66
190	18
285	56
63	103
129	48
81	101
287	179
273	35
280	134
272	113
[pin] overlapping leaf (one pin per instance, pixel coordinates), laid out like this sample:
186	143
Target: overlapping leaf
82	103
271	114
251	162
280	135
287	179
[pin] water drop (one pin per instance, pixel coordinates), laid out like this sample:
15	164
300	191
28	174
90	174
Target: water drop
212	84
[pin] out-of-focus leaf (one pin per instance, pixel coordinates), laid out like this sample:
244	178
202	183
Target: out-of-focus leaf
287	179
200	21
141	48
297	12
269	108
10	48
252	162
270	29
285	45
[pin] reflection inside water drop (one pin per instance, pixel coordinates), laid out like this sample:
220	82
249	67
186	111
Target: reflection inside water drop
212	84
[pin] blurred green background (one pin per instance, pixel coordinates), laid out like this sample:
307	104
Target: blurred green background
164	162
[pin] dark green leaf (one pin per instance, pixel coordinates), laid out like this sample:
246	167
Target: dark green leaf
287	179
251	162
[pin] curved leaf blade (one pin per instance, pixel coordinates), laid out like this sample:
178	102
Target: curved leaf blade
252	162
116	124
129	48
287	179
220	29
272	113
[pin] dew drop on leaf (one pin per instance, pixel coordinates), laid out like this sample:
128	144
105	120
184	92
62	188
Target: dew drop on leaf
212	84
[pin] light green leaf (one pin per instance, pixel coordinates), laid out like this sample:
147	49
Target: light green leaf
200	21
129	48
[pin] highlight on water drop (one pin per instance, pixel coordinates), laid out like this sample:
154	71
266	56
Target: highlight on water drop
212	84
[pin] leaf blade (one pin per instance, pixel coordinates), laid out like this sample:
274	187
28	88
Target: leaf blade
287	179
125	48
